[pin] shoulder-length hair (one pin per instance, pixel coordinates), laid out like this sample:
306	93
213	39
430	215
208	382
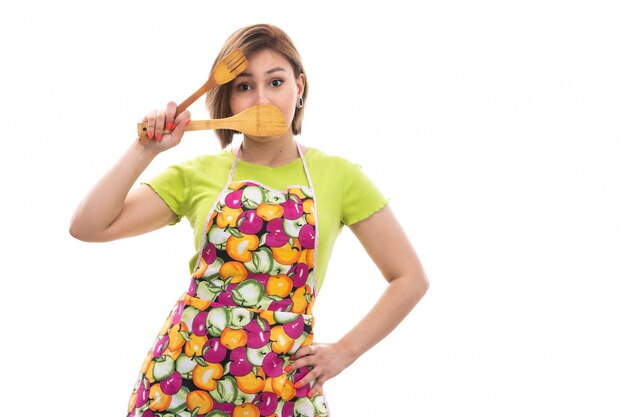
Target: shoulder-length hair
249	40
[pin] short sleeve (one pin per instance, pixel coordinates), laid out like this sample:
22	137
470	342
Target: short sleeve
361	198
172	186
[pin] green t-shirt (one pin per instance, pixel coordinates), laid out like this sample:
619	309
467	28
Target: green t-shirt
344	194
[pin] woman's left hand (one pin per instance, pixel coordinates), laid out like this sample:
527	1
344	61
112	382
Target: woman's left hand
326	361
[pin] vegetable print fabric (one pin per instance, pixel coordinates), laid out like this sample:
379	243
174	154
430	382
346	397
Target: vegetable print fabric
223	348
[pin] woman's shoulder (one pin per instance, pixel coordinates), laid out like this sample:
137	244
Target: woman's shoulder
332	165
318	156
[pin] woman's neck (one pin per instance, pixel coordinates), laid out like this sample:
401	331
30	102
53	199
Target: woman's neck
272	153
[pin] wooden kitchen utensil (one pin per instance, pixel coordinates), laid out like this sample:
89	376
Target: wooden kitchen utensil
261	120
226	70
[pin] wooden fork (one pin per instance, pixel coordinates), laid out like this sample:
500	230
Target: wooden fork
226	70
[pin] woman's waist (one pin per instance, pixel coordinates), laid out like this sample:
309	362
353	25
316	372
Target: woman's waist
282	311
204	315
199	327
258	293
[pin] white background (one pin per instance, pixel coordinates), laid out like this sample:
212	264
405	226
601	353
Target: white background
496	128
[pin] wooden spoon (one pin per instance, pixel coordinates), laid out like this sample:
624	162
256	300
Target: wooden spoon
261	120
226	70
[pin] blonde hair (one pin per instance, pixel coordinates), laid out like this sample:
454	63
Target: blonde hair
251	39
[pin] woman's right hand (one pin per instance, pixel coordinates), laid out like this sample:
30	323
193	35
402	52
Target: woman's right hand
110	211
158	121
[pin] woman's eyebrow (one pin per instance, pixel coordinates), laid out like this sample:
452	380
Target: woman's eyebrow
270	71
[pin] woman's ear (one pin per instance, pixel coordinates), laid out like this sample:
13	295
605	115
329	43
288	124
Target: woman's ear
300	82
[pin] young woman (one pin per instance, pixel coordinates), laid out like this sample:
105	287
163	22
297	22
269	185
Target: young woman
265	215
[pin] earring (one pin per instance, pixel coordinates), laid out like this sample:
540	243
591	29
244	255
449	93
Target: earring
300	102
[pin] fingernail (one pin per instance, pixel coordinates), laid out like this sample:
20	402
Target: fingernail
298	384
310	394
187	122
150	134
170	126
292	357
159	136
288	368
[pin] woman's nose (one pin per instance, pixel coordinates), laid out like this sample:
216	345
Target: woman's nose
261	96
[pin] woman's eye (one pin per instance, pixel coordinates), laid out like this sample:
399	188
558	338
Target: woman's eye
243	87
276	83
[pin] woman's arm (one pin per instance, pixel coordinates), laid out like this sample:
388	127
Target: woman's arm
109	212
386	243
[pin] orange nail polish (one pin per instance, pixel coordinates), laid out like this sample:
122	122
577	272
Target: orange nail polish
288	368
170	126
150	134
310	394
298	384
159	136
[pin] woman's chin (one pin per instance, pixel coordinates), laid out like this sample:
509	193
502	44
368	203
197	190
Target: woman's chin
268	139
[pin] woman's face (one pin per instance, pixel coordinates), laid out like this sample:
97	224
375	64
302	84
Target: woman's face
269	79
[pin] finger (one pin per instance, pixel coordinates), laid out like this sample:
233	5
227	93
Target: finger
151	119
170	114
303	362
304	351
158	128
308	377
184	115
181	123
316	389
